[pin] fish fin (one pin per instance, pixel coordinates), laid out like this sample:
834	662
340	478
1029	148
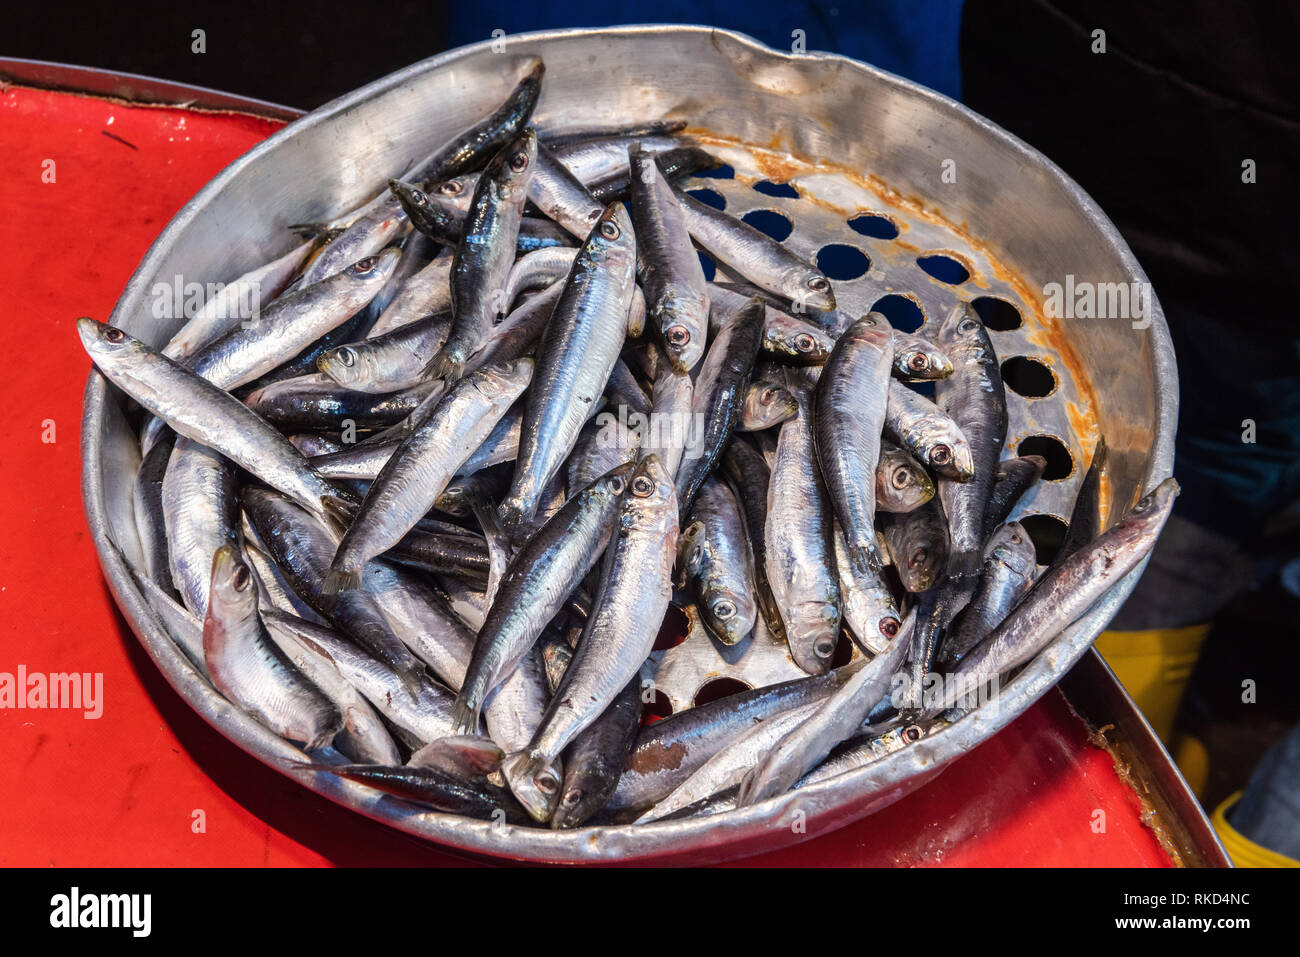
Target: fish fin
467	754
443	366
338	511
337	580
464	716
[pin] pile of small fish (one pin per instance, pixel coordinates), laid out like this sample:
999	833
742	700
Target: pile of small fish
403	519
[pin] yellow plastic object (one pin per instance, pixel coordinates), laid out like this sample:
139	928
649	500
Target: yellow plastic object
1243	851
1154	667
1193	759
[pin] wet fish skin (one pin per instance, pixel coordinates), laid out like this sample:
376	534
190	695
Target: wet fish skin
675	164
717	564
785	337
928	433
749	476
902	484
303	546
917	358
316	402
677	295
423	294
562	197
833	721
1010	567
800	558
867	604
221	313
199	410
672	420
486	253
848	417
635	589
575	357
387	363
250	669
200	513
1014	478
756	256
378	226
546	569
918	545
439	789
151	511
1067	590
1085	516
593	763
765	406
719	393
475	145
421	468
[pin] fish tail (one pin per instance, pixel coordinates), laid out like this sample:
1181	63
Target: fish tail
338	579
464	716
445	365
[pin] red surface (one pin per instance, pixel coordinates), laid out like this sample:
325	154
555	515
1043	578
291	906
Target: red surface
123	789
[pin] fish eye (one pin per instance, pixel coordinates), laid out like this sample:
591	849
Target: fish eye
724	610
114	334
362	266
241	578
519	162
678	335
941	455
917	362
824	647
889	626
768	395
1015	538
918	557
546	782
609	229
616	485
346	356
451	188
913	732
572	797
967	325
902	478
818	283
642	486
804	342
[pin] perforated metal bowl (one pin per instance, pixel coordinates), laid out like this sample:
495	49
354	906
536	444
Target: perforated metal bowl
850	140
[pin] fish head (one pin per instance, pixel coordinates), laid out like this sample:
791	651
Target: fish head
729	614
234	587
919	561
518	162
676	317
1011	545
650	495
346	366
962	330
408	194
902	484
375	269
576	805
611	241
534	783
1147	517
102	341
768	404
805	343
816	627
505	380
807	287
610	486
949	452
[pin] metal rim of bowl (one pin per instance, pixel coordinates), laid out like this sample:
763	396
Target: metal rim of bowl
820	808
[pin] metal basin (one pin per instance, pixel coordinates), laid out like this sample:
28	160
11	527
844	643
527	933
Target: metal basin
852	139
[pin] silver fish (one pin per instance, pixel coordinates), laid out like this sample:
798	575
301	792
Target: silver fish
1009	570
636	584
201	514
574	359
387	363
250	669
199	410
928	433
717	564
419	470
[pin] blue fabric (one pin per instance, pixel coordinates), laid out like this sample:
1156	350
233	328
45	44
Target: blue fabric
913	38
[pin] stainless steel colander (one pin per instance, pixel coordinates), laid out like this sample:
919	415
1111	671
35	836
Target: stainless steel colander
875	177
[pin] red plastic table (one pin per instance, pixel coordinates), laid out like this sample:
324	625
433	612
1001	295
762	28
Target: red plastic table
86	184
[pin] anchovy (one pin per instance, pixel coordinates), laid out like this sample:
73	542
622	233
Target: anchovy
677	296
150	512
1008	573
486	253
419	470
675	164
199	410
928	433
424	294
800	558
1068	589
318	402
719	392
628	610
543	573
1014	478
785	337
917	542
749	476
574	359
561	196
201	514
388	363
902	484
250	669
833	721
718	565
755	255
1085	518
915	358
